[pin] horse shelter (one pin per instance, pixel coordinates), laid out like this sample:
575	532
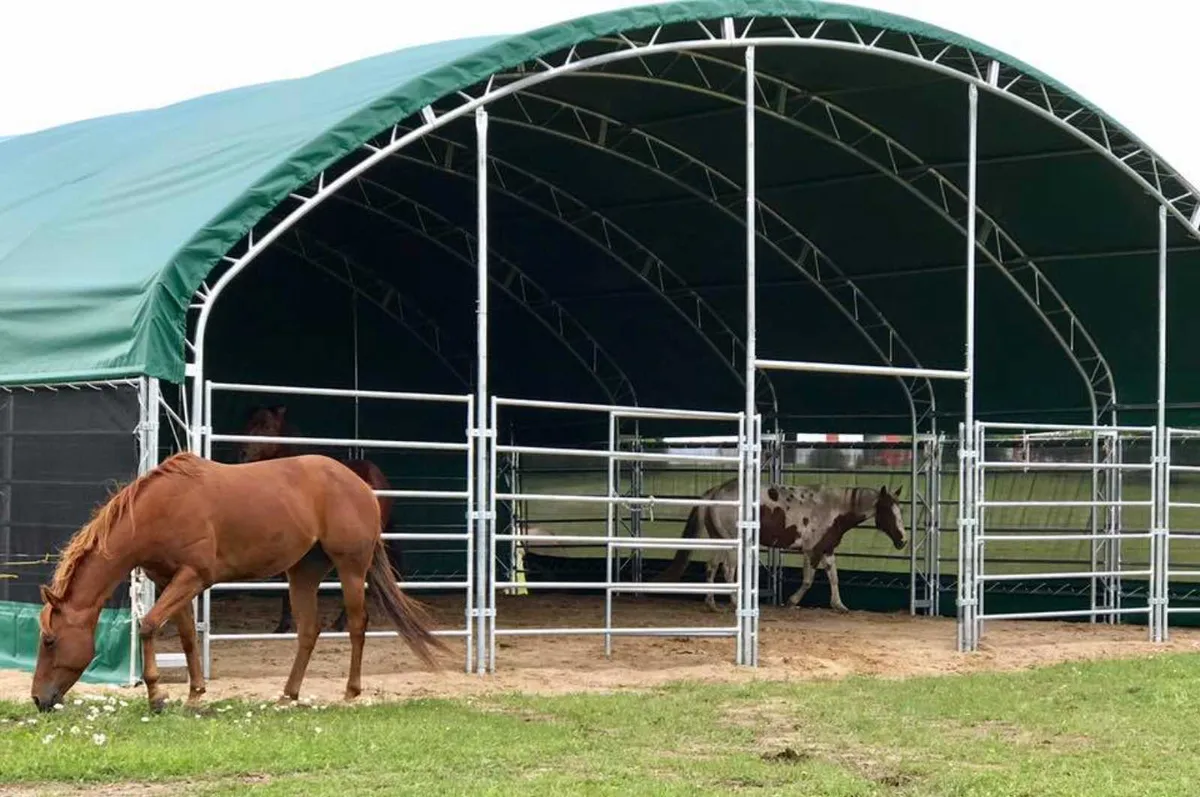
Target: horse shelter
558	285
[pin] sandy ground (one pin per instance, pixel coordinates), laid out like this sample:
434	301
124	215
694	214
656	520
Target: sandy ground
796	645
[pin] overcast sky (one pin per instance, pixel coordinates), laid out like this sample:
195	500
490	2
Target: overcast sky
74	59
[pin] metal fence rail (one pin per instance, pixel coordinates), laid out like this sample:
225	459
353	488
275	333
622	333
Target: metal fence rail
1103	527
612	454
466	447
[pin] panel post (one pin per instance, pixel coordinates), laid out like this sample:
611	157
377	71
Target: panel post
747	622
482	427
1161	558
967	518
141	590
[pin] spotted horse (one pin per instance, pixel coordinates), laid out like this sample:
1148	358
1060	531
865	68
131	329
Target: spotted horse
809	519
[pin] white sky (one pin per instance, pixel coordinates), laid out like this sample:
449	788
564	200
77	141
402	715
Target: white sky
74	59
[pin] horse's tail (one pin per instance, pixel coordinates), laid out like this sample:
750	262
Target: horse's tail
411	617
691	529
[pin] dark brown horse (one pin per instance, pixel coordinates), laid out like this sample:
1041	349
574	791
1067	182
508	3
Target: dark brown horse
190	523
273	422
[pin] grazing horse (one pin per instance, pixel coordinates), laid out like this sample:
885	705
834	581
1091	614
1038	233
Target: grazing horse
190	523
810	519
272	422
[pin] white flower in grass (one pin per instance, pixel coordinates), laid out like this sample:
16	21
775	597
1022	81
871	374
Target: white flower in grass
317	729
99	738
75	730
48	738
145	719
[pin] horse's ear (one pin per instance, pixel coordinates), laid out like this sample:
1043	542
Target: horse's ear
48	596
898	490
280	410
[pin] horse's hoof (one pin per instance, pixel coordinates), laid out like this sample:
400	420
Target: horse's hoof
286	700
195	696
157	704
351	694
841	608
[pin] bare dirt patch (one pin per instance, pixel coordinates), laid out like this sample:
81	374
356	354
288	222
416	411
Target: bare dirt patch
796	645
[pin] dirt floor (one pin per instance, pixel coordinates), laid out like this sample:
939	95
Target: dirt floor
796	645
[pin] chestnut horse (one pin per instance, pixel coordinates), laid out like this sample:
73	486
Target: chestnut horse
272	422
190	523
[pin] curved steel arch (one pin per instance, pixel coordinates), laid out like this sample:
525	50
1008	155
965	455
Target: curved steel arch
894	46
556	207
659	153
558	324
1007	256
390	301
1118	146
843	125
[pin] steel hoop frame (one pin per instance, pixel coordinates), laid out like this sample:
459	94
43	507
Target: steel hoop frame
728	40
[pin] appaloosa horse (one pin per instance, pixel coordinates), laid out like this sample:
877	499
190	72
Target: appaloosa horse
273	422
190	523
811	519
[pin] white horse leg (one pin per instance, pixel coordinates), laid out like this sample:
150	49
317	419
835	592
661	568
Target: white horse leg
809	574
835	597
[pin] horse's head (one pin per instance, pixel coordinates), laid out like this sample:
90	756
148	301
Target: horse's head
66	648
265	422
888	518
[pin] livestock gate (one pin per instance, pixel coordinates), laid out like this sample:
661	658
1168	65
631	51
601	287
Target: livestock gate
559	285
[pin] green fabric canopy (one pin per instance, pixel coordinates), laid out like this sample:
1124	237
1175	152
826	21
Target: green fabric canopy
109	226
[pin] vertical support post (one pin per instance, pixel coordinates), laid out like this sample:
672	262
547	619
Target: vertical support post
968	515
1161	562
492	516
609	530
471	598
1115	457
914	569
933	545
748	609
481	431
205	625
141	591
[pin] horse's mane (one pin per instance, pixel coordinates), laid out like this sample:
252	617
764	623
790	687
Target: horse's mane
94	535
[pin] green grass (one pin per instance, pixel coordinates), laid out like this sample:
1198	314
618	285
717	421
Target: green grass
1107	728
870	550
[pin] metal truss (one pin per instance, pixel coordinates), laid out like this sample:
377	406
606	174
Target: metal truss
381	294
419	219
833	124
623	248
1116	144
616	138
